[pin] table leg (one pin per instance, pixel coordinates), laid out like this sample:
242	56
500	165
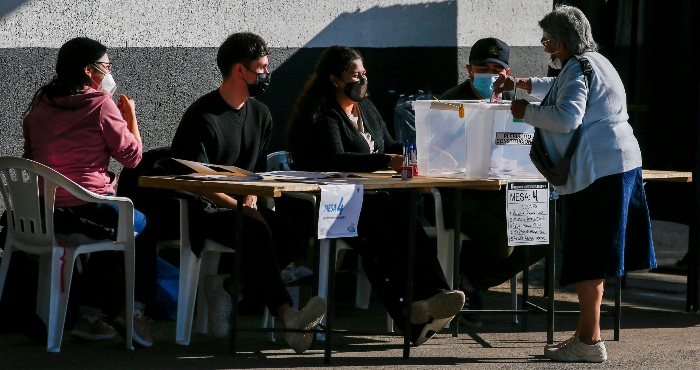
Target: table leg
409	280
331	302
236	274
693	284
457	242
618	307
553	225
526	285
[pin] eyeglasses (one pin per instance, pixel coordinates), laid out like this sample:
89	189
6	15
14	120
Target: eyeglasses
545	41
108	65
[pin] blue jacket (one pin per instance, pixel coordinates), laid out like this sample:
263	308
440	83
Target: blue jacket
607	145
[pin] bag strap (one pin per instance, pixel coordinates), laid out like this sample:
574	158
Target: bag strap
587	69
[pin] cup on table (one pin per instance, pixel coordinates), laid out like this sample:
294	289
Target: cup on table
406	172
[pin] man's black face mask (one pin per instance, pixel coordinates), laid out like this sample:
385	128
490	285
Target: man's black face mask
262	81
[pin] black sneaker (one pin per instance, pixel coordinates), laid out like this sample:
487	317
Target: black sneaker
472	301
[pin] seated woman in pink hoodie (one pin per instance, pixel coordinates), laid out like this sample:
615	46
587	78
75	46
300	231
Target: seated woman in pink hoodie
74	127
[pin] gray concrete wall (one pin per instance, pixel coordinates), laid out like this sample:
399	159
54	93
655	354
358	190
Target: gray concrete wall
164	50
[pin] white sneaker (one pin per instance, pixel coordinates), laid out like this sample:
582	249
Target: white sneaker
219	305
440	306
577	351
560	344
307	318
430	329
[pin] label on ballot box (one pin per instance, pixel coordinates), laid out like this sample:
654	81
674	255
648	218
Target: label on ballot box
527	212
510	148
339	210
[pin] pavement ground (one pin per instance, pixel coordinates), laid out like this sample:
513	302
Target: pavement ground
656	333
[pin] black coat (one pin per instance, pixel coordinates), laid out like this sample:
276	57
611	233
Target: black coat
334	144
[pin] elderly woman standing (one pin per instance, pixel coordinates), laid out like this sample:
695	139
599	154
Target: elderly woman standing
605	226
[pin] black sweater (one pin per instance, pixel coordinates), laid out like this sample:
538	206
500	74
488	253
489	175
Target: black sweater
334	144
211	131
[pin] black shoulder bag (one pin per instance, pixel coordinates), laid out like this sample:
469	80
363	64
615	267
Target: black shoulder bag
558	174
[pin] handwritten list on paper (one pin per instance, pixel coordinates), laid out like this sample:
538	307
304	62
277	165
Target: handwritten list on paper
527	211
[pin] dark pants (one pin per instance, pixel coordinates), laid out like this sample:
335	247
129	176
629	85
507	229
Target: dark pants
263	254
486	259
101	266
383	245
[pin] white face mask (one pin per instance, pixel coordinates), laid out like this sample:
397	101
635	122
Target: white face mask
555	63
107	84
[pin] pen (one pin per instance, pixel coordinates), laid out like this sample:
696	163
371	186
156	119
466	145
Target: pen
405	153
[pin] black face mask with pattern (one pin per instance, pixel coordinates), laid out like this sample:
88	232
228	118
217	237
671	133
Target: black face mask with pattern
262	81
356	90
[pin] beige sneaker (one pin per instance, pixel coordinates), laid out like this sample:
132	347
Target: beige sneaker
431	328
98	330
443	305
141	334
219	305
306	319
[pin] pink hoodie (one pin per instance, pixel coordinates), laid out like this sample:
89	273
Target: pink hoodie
76	135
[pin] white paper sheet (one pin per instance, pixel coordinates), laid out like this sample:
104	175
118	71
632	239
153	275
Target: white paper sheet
527	212
339	210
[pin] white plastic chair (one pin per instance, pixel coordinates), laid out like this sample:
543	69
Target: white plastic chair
278	161
192	273
31	230
445	239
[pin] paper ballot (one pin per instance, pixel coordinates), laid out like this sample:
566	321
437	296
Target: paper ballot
339	210
190	170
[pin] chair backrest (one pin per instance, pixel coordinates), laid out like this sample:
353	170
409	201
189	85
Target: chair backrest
27	221
277	161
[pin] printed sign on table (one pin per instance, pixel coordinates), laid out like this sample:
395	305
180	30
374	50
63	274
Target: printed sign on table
527	212
339	210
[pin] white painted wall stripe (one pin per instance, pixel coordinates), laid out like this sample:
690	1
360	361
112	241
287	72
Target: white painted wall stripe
293	23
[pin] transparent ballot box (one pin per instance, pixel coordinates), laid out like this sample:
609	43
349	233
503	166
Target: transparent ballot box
472	139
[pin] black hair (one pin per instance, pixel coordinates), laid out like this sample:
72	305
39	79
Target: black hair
319	89
70	79
242	47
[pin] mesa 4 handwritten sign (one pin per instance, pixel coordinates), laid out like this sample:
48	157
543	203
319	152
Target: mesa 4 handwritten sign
527	212
339	210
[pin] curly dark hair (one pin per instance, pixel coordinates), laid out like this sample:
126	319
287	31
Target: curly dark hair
319	89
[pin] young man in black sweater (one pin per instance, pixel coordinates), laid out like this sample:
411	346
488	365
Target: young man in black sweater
226	127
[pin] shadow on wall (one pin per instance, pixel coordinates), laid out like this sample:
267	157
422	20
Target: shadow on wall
402	69
7	6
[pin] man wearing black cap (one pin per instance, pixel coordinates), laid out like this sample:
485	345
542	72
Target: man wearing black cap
488	56
486	259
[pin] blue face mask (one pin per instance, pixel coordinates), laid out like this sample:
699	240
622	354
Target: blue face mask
483	84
